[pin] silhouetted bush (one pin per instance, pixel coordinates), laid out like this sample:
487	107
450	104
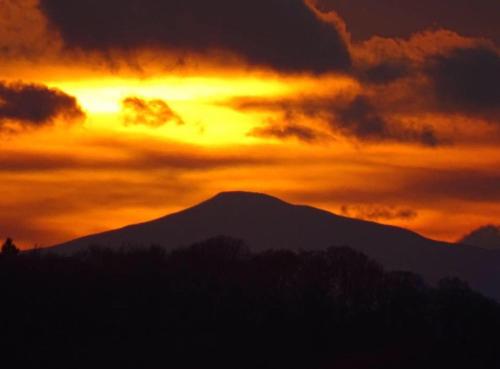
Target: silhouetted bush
215	304
9	249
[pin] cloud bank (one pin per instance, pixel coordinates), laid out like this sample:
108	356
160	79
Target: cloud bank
287	35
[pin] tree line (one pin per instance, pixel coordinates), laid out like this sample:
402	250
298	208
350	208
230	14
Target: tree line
217	304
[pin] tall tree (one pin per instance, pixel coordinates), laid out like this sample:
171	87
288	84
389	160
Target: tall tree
9	248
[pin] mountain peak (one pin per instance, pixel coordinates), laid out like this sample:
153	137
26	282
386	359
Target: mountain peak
487	237
244	197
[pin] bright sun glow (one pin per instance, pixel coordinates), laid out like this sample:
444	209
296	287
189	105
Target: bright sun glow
105	96
198	100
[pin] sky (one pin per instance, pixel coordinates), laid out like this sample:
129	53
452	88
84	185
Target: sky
121	111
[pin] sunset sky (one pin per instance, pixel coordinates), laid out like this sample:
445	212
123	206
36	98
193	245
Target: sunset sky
121	111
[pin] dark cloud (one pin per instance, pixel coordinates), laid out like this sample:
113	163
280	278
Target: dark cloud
487	237
363	120
152	113
286	131
377	212
284	34
385	72
447	73
390	18
467	80
32	105
432	74
358	118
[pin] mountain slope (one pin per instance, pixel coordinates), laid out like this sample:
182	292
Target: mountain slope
265	222
487	237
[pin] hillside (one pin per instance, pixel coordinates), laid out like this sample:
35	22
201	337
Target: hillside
265	222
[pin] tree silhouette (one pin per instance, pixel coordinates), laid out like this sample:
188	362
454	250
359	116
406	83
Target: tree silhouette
9	248
218	304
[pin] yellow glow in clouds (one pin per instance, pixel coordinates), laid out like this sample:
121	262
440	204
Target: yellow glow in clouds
105	96
197	100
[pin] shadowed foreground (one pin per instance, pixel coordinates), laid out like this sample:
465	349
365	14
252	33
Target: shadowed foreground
217	305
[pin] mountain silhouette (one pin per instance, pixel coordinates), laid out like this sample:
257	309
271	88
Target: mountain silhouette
264	222
487	237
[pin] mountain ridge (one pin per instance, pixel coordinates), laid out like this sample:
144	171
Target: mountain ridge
486	237
265	222
243	198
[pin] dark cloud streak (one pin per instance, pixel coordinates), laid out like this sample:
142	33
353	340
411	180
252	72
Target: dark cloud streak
363	120
132	159
287	131
358	118
384	72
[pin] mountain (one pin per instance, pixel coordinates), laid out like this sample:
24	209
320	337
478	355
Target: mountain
265	222
487	237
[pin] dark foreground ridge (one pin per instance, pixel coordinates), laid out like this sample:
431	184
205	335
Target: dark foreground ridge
216	304
264	222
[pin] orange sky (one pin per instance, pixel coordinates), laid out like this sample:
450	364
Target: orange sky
389	139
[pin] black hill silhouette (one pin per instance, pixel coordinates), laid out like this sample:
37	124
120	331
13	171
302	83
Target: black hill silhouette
218	304
264	222
487	237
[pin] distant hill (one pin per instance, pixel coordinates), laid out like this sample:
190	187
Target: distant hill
265	222
487	237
